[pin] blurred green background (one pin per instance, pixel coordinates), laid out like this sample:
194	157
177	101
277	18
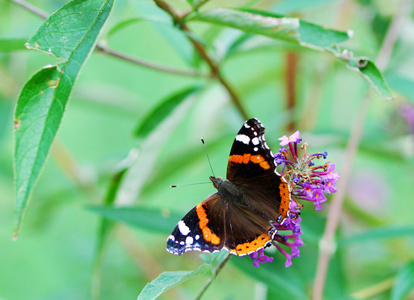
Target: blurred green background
53	256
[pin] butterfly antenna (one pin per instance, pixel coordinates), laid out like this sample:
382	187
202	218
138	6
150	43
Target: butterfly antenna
174	186
208	158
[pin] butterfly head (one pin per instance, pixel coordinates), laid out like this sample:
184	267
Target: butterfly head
217	181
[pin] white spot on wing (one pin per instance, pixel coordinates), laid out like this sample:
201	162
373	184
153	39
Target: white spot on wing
189	240
197	237
256	149
246	125
171	238
243	138
255	141
183	228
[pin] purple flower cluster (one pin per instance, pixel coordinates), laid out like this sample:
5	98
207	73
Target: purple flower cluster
307	181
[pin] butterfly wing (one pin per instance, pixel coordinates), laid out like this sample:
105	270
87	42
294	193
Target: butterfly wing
242	226
252	168
195	232
214	224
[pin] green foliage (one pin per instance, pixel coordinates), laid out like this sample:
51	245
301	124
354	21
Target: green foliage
43	99
274	279
152	77
168	280
404	282
163	110
367	69
144	218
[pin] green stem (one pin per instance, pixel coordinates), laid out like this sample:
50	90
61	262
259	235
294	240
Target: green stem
327	245
215	272
214	67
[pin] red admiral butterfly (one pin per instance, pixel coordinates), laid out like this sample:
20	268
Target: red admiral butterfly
239	216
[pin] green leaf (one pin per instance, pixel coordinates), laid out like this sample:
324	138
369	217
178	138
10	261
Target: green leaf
194	3
162	111
278	28
369	71
140	217
274	276
121	25
105	228
404	282
155	136
168	280
37	117
296	6
69	33
10	45
378	234
162	23
311	35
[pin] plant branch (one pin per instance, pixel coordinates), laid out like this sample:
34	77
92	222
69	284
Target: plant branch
215	273
374	290
290	74
31	8
327	245
147	64
114	53
215	70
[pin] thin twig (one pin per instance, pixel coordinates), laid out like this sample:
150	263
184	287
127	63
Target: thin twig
327	245
215	70
31	8
146	64
210	280
290	74
374	290
114	53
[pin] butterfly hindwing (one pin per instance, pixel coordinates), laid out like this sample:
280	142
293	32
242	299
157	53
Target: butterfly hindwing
194	231
212	225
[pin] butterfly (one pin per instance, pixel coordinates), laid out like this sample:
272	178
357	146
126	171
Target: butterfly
239	217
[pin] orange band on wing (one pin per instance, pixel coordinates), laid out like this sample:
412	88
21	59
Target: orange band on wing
252	246
246	158
284	200
207	234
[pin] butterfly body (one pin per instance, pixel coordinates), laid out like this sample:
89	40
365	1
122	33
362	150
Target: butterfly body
239	216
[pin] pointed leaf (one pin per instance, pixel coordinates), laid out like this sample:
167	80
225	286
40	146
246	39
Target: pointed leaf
312	35
105	228
404	282
139	217
162	111
37	117
278	28
121	25
368	70
162	23
168	280
70	33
